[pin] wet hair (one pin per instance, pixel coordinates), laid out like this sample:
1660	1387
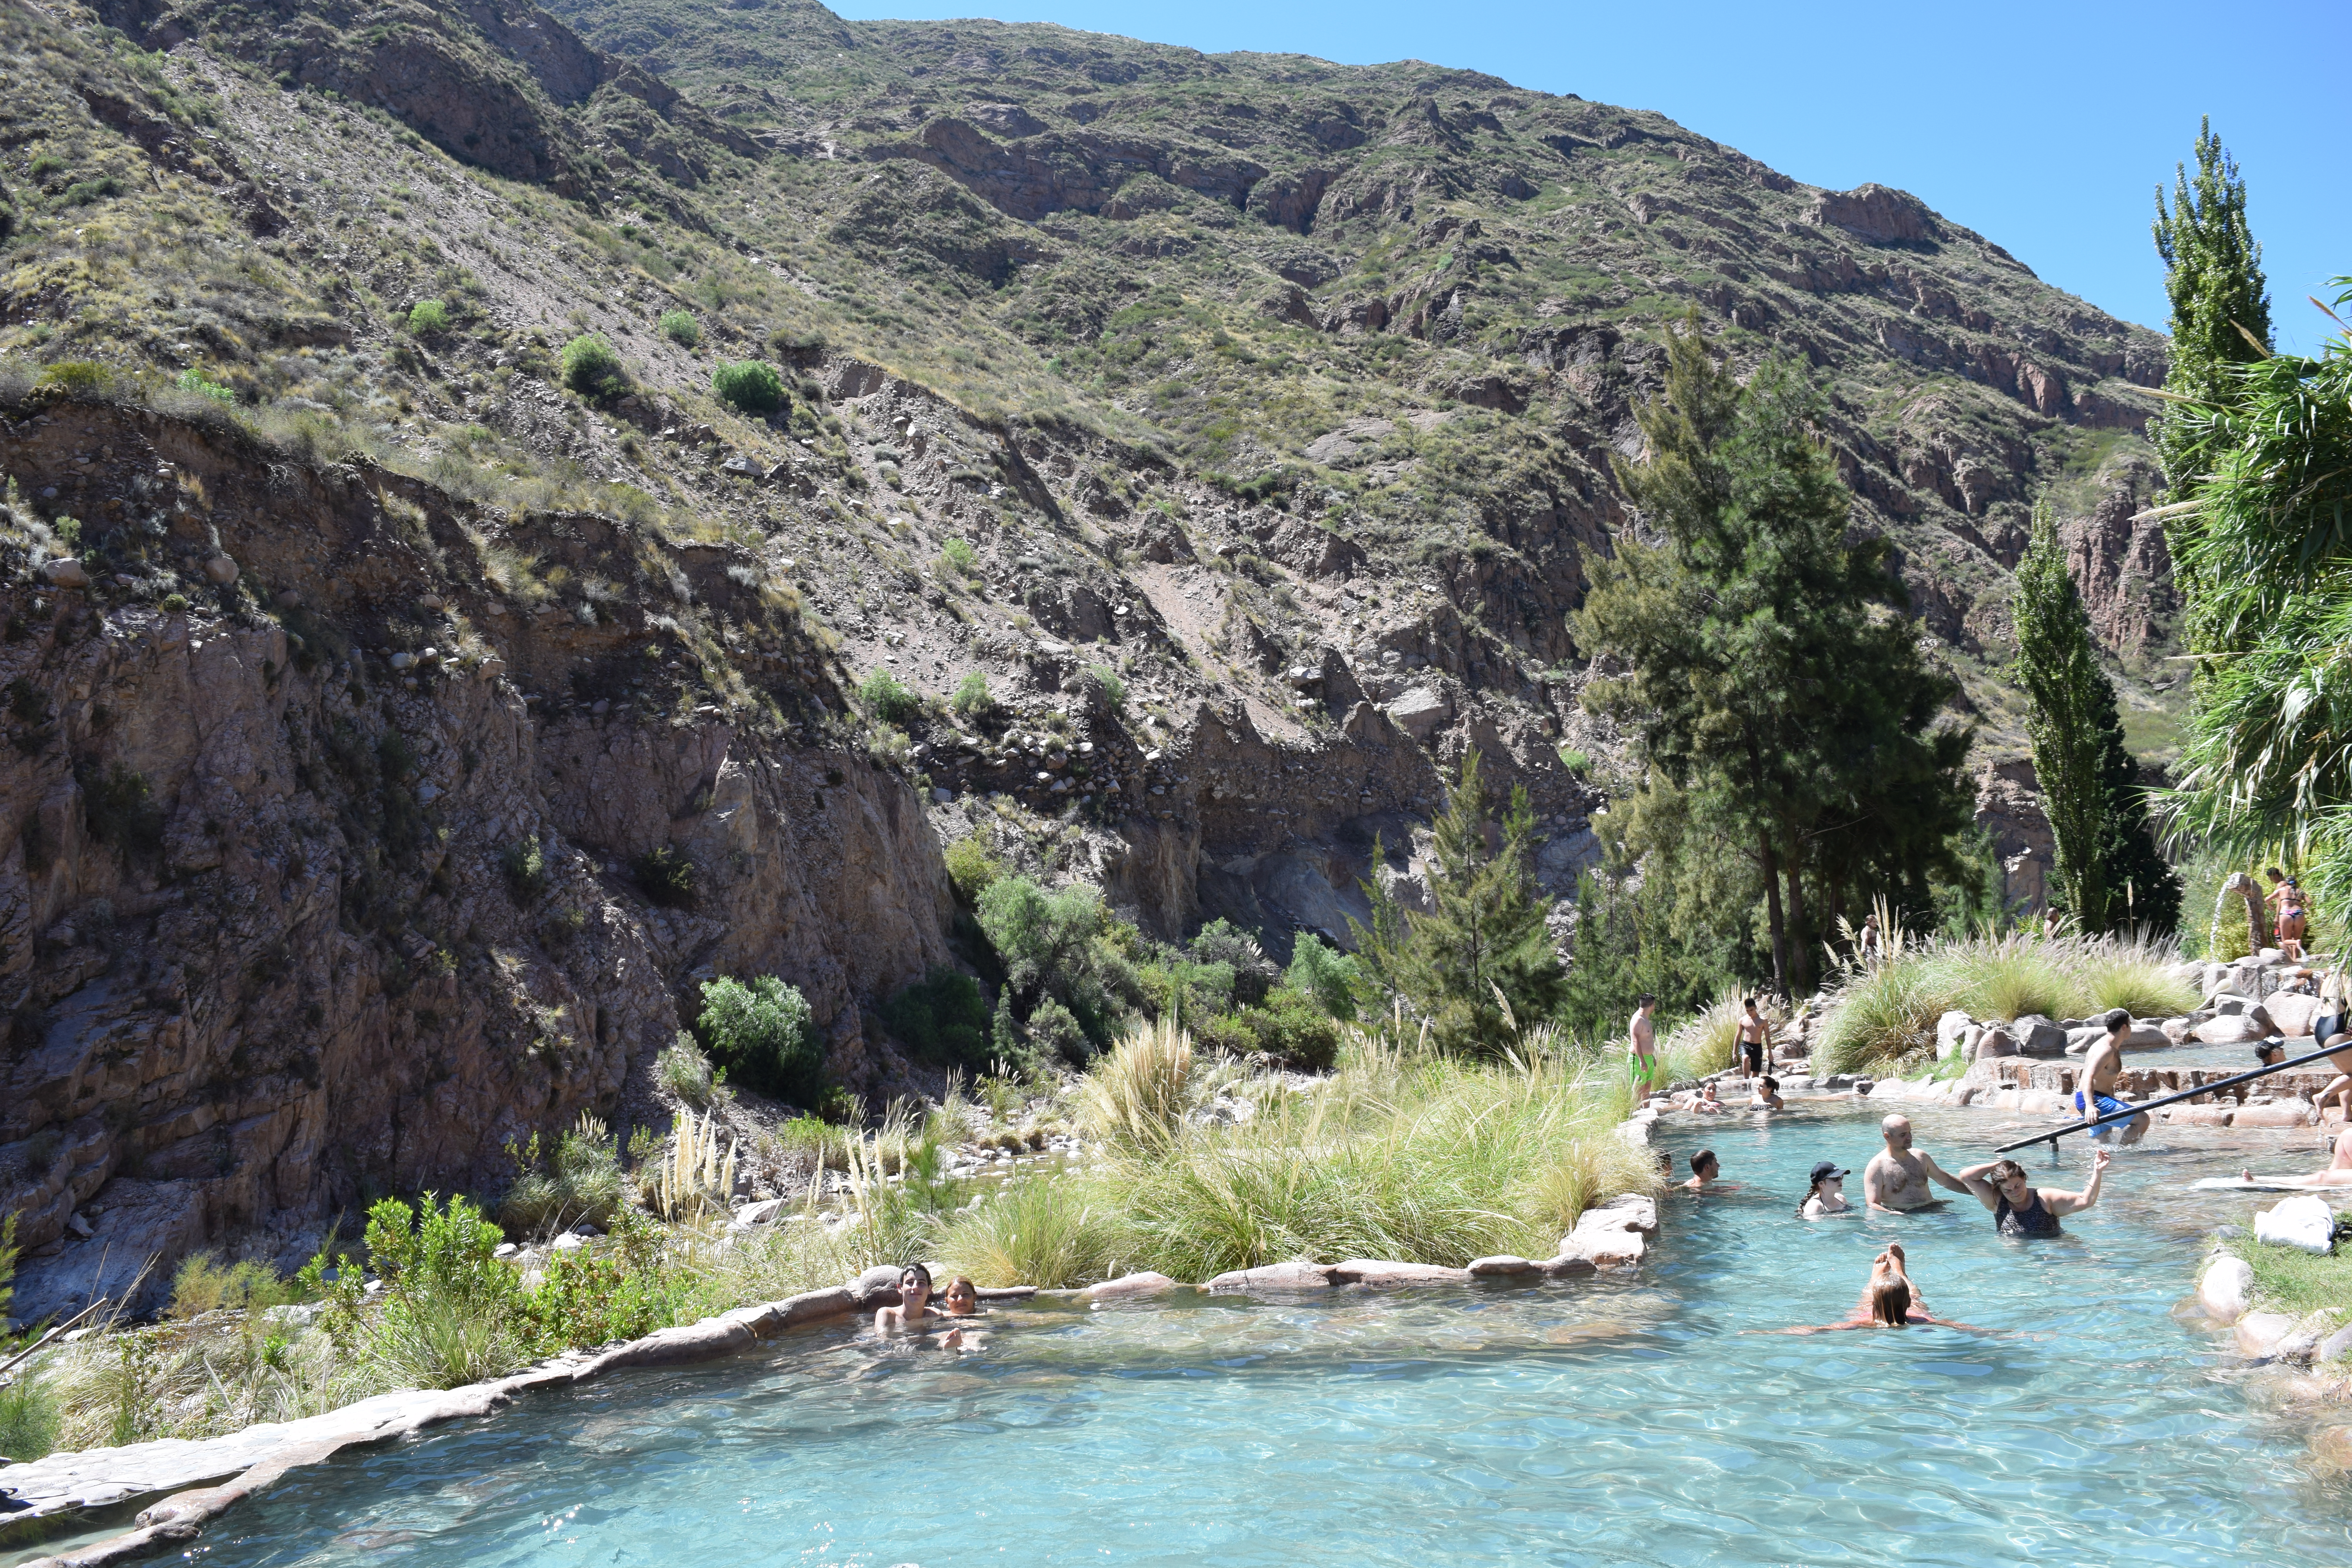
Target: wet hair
917	1269
2118	1020
1772	1083
1890	1303
2002	1170
1705	1157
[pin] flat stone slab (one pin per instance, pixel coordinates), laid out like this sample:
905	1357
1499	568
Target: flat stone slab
1504	1266
1298	1275
1383	1274
1130	1287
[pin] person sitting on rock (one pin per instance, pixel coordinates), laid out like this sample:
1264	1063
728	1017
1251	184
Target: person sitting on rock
1890	1300
1896	1180
1825	1196
1766	1095
2337	1173
1705	1168
2022	1210
2103	1071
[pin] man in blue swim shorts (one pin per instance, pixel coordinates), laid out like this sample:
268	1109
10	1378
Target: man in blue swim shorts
2103	1071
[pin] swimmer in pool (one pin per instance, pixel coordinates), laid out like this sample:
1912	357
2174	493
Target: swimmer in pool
1767	1096
1825	1198
962	1299
1705	1168
2022	1210
1889	1301
913	1310
1896	1180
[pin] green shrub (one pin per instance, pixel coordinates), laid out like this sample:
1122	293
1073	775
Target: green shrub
752	385
452	1317
580	1180
666	876
943	1017
173	603
584	1299
1031	1232
427	316
972	700
680	328
1114	690
1223	943
685	1071
28	1419
888	699
1575	762
68	528
1050	945
1322	973
961	556
592	367
765	1035
1054	1032
77	375
2008	978
525	864
972	867
202	1283
2136	975
193	381
1295	1030
81	193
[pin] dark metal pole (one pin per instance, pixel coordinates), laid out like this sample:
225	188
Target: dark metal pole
2051	1137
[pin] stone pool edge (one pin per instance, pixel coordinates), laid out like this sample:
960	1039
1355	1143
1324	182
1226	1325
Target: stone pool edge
1612	1235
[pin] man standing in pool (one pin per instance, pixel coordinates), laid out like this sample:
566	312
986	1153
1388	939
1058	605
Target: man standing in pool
1897	1179
2021	1209
2102	1070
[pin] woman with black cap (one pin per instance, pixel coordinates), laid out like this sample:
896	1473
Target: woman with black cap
1825	1197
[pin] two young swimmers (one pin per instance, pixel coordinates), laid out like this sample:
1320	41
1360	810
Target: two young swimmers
914	1312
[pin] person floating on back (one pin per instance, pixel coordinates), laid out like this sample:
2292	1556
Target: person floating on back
1643	1038
1825	1196
1705	1168
1896	1178
2103	1071
2021	1209
1754	1033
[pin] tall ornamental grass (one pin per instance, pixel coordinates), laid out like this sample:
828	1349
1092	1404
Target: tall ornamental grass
1885	1013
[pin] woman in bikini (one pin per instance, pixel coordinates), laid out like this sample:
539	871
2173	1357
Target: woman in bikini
2293	918
1890	1300
2021	1209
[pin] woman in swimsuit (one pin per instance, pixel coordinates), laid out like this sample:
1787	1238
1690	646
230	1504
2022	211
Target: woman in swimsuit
1889	1301
2292	921
1825	1198
2022	1210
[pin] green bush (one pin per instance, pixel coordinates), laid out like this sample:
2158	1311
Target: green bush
972	867
685	1071
77	375
765	1035
889	699
525	864
1031	1232
81	193
1114	690
680	328
202	1283
1223	943
592	367
961	556
752	385
584	1299
193	381
972	699
1054	1032
666	876
580	1180
1322	973
427	316
452	1314
173	603
943	1017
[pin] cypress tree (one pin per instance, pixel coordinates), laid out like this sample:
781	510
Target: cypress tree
2221	309
1485	932
2110	872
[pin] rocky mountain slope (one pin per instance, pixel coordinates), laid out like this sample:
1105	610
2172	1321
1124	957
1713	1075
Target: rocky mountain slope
399	736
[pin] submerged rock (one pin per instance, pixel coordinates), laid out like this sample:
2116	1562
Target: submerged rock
2224	1286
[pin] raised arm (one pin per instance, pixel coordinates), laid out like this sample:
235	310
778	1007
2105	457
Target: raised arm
1973	1180
2076	1202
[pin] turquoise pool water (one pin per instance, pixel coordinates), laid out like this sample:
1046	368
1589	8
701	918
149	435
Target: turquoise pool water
1607	1421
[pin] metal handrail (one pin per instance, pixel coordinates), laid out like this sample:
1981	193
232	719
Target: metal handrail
2052	1138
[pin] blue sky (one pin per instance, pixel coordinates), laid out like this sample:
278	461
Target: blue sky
2045	126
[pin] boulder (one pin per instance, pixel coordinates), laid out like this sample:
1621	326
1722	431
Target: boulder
220	569
2223	1290
2259	1333
767	1210
1569	1266
1420	711
1503	1266
2303	1222
813	1306
2292	1013
2290	1113
1997	1042
2332	1448
1383	1274
2231	1030
67	573
1298	1275
2038	1037
1948	1030
2175	1031
1127	1287
878	1287
2199	1115
2336	1346
1631	1211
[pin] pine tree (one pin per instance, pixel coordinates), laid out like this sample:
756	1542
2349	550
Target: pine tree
2069	704
2221	309
1483	932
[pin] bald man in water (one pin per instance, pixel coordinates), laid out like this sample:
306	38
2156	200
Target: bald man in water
1896	1178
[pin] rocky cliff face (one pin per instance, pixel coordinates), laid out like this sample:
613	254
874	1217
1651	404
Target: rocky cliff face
357	667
